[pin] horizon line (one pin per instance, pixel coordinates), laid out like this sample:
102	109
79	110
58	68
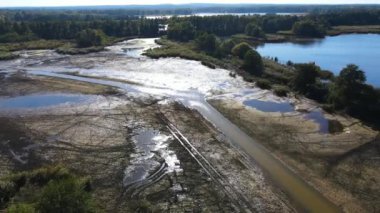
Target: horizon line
184	4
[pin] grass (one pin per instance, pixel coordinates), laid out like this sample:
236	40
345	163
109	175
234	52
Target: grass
338	30
4	55
7	49
61	46
71	48
185	51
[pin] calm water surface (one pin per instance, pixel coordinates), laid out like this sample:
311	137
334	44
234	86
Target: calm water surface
40	100
333	53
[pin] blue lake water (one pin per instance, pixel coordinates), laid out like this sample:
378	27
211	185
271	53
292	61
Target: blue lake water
40	100
333	53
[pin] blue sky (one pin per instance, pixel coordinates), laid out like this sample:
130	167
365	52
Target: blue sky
11	3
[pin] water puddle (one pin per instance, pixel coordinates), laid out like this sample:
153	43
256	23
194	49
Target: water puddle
41	100
133	52
152	157
326	126
269	106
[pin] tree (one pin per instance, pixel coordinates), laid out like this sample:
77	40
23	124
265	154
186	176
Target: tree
241	49
253	62
181	31
90	37
252	29
206	42
308	28
305	77
347	87
226	47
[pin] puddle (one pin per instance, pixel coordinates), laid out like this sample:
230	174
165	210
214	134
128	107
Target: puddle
41	100
152	152
326	126
269	106
133	52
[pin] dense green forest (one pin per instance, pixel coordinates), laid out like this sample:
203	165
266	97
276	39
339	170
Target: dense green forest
24	25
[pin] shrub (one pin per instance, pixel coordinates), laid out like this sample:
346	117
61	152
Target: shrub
252	29
181	31
241	49
264	84
206	42
44	175
7	191
253	62
66	195
326	75
21	208
308	28
90	37
305	77
281	91
226	47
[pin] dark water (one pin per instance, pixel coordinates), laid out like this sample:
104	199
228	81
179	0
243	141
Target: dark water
268	106
40	100
333	53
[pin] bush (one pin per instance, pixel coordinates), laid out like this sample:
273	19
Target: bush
44	175
253	62
66	195
308	28
326	75
264	84
181	31
226	47
206	42
281	91
90	37
7	191
241	49
21	208
252	29
305	77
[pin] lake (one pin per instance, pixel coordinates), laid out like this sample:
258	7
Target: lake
333	53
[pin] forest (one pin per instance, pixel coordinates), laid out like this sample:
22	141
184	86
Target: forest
26	25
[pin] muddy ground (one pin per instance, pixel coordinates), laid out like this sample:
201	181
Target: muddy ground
344	166
101	141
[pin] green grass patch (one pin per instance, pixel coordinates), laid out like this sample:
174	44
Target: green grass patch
7	55
338	30
185	51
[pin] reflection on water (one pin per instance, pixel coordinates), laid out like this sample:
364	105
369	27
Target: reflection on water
269	106
41	100
325	125
332	53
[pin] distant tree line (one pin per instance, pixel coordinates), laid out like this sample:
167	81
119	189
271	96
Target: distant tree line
11	31
314	25
24	25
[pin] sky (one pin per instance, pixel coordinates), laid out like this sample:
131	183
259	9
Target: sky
36	3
